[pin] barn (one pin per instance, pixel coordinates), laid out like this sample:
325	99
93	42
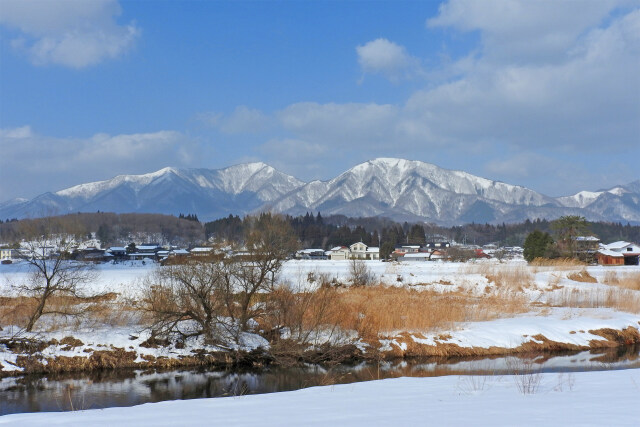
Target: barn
619	253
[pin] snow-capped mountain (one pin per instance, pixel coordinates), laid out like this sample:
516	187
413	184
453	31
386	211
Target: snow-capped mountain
396	188
409	190
211	193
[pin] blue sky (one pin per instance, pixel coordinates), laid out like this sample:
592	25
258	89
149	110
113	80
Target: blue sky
541	94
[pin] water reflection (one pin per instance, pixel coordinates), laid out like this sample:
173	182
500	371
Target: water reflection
133	387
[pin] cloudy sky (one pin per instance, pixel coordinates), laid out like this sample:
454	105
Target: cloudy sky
541	94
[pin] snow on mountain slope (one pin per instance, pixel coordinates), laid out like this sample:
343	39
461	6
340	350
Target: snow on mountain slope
583	199
210	193
396	188
410	188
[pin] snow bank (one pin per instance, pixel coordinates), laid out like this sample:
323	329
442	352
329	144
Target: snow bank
585	398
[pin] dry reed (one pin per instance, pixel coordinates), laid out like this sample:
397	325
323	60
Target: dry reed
557	262
515	278
619	299
378	310
626	281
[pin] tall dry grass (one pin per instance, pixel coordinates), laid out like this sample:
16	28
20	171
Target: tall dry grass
379	310
69	311
619	299
623	280
557	264
513	278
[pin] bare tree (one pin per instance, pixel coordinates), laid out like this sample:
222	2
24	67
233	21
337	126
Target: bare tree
191	291
269	242
222	294
359	273
53	276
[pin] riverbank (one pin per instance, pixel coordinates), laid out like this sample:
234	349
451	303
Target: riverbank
560	329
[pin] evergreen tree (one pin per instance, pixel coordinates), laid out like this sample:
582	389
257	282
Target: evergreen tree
537	245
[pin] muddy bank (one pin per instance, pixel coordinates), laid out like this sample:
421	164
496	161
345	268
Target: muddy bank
29	357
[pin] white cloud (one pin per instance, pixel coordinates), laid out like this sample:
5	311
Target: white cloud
385	57
336	124
581	102
63	162
242	120
518	31
71	33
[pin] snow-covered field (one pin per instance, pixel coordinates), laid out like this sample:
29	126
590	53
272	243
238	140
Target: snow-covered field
126	277
607	398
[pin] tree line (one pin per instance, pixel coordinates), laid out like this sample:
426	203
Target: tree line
316	231
109	228
312	230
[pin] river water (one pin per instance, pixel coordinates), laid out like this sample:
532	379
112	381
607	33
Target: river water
133	387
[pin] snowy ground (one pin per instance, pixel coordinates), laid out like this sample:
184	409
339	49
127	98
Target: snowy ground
127	277
585	398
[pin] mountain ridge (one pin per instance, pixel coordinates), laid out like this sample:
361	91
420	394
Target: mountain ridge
402	189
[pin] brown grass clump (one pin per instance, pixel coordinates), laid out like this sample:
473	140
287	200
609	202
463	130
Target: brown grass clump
557	262
380	310
626	281
582	276
504	277
103	309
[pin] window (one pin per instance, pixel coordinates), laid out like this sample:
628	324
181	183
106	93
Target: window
629	249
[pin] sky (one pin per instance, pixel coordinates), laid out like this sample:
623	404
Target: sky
543	94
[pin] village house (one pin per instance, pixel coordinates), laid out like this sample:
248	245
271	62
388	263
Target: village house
201	252
355	251
117	252
618	253
339	253
8	256
586	247
361	251
311	254
415	256
91	255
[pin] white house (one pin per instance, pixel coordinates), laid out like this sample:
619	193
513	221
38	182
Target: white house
339	253
8	255
415	256
356	251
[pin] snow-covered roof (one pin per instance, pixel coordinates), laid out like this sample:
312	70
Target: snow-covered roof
416	255
117	249
373	249
587	239
310	251
180	252
617	245
607	252
201	249
147	247
339	248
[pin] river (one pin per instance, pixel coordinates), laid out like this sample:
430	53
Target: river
104	389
